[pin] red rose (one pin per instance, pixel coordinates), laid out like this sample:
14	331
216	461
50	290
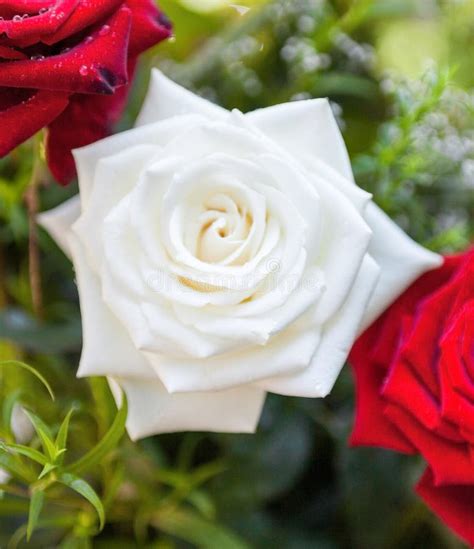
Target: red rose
414	371
66	64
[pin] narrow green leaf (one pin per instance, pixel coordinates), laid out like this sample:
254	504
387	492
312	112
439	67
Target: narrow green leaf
203	503
15	468
30	369
47	469
61	438
26	451
110	441
57	522
86	491
44	434
36	504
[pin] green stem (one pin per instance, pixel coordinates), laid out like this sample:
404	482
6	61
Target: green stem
32	204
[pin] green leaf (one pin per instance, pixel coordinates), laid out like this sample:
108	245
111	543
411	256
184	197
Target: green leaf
61	438
203	503
30	369
26	451
44	434
190	527
104	403
36	504
15	468
86	491
47	469
110	441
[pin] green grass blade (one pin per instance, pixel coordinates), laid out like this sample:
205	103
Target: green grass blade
86	491
36	504
26	451
44	434
30	369
110	441
61	438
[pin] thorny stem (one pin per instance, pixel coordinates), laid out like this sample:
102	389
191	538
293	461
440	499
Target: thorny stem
32	204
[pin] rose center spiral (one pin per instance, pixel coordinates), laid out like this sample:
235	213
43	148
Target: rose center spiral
223	226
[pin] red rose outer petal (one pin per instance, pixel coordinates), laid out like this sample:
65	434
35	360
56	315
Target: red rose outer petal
85	15
455	352
8	8
416	363
21	121
37	25
95	66
454	504
450	462
92	117
10	53
87	81
371	427
148	27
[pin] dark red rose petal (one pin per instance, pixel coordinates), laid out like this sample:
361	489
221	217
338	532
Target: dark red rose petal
421	347
22	120
36	25
10	53
454	358
403	388
468	347
77	52
457	409
9	8
416	364
371	427
148	26
454	504
98	65
85	15
92	117
451	462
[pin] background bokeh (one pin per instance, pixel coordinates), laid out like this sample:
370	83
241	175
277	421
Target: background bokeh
399	74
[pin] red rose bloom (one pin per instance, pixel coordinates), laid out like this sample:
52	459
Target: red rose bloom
66	64
414	371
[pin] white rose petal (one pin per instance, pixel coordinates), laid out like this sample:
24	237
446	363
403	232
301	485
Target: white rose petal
220	255
153	410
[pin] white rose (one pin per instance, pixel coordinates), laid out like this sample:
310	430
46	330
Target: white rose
220	256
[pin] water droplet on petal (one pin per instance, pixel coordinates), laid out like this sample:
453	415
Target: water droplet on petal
17	18
37	57
84	71
104	30
43	11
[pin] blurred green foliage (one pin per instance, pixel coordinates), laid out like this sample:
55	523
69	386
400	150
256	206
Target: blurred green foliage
66	462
